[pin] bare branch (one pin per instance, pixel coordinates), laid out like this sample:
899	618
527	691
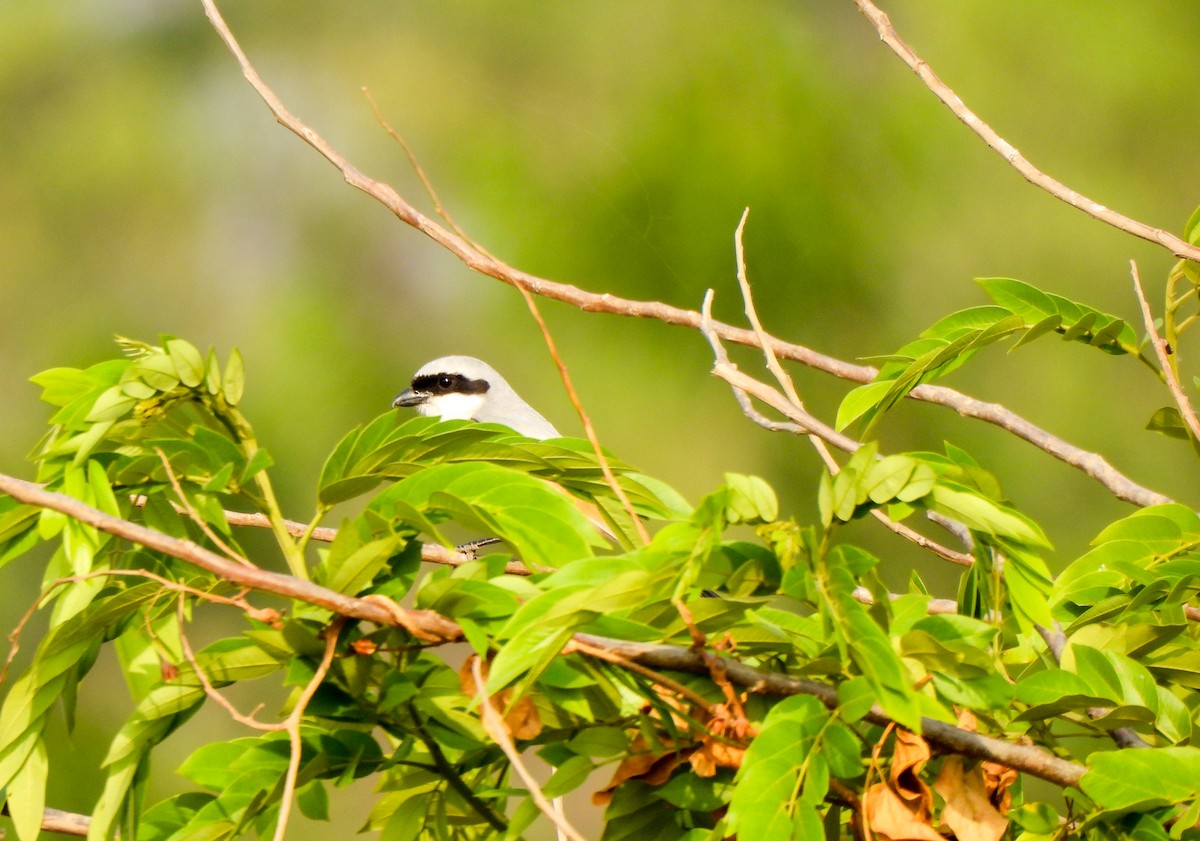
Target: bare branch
1092	464
806	424
1006	150
1163	351
292	725
64	823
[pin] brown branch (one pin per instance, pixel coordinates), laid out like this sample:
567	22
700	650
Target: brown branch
1092	464
429	626
951	739
195	517
430	552
1006	150
437	628
293	722
806	424
1162	351
497	730
64	823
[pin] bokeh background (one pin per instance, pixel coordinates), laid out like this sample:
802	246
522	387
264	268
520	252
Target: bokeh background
145	189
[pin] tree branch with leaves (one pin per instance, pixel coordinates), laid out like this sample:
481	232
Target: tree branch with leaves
805	699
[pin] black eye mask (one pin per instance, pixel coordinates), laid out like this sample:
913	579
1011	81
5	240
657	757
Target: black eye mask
448	384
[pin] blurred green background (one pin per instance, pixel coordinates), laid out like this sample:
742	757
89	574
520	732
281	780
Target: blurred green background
144	188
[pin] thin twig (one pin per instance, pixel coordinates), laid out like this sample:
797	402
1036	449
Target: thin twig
429	626
211	691
807	424
186	504
493	725
781	376
1160	349
294	720
588	429
1024	758
1093	464
793	397
1006	150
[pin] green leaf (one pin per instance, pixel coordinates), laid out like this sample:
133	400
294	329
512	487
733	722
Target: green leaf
407	822
27	793
751	500
885	478
235	378
1077	322
112	404
978	512
313	800
1142	779
62	385
1191	230
1167	421
156	371
187	362
858	401
764	795
569	776
539	522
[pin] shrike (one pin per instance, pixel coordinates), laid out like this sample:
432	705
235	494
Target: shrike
466	388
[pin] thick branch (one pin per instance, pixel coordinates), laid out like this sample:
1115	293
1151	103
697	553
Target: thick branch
424	624
1006	150
1091	463
436	628
1025	758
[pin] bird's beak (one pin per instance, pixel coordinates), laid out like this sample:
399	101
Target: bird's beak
409	398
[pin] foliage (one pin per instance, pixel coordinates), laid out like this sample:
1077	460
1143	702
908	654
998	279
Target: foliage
157	438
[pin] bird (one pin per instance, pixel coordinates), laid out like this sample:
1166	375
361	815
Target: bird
466	388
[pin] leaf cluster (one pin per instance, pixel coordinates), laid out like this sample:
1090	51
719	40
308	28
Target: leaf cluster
157	438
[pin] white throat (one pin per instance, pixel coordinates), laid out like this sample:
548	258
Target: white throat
452	406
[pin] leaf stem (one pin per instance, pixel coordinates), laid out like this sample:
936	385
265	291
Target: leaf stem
292	551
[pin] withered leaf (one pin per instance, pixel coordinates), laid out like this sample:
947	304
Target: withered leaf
969	811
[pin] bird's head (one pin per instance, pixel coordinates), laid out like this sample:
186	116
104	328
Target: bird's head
466	388
450	388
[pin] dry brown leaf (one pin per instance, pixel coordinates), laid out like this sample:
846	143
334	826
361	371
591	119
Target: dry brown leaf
894	818
901	809
713	755
647	767
364	647
999	778
969	811
522	719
